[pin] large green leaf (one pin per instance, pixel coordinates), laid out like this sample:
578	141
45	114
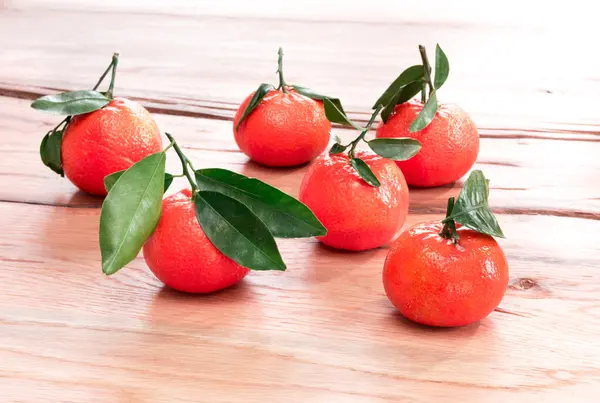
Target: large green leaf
410	75
260	93
426	115
131	211
236	231
283	215
71	103
471	208
397	149
442	67
337	115
364	171
50	151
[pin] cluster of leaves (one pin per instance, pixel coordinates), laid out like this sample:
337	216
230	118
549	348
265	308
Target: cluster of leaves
239	215
471	209
70	104
413	80
397	149
264	89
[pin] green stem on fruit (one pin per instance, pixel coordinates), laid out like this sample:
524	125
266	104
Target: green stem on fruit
426	74
449	229
184	163
65	121
362	135
103	76
282	83
111	87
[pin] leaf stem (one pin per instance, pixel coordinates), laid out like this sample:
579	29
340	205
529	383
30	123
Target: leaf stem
362	135
184	162
103	76
65	121
282	83
426	74
111	87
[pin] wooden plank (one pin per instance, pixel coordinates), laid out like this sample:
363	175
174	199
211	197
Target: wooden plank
297	334
529	176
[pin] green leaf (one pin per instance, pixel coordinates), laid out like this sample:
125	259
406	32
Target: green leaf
284	216
337	115
307	92
50	151
403	95
426	115
237	232
131	211
471	208
365	172
397	149
71	103
337	148
260	93
110	180
442	67
411	74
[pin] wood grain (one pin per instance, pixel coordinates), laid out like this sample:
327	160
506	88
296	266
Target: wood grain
323	331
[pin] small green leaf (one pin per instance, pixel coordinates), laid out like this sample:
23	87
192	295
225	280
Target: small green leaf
131	211
110	180
284	216
168	180
307	92
50	151
397	149
365	172
71	103
442	67
337	139
337	115
237	232
337	148
260	93
471	208
411	74
426	115
403	95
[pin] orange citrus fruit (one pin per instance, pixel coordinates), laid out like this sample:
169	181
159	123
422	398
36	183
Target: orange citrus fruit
180	254
285	129
433	281
449	144
105	141
357	215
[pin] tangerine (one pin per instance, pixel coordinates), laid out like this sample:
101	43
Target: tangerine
357	216
180	254
285	129
105	141
449	144
433	281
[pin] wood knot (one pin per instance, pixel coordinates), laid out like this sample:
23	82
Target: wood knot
524	284
533	288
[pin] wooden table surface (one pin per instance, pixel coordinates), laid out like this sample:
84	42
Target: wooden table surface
323	331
